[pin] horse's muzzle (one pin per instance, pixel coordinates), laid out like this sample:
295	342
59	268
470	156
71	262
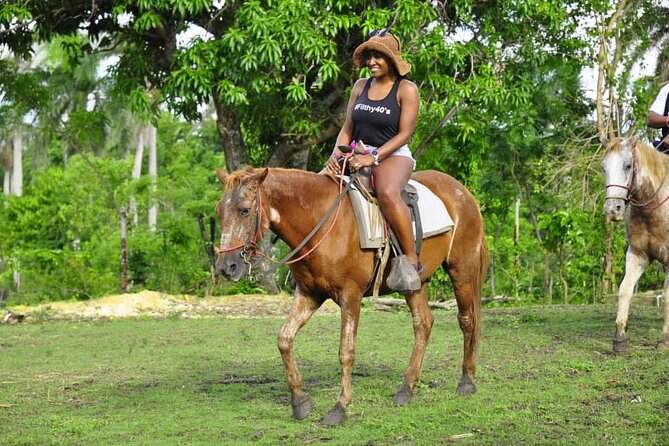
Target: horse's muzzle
614	208
231	266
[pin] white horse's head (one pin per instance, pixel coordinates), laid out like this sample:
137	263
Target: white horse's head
618	166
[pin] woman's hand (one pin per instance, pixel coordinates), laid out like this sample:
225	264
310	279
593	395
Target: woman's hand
332	164
360	161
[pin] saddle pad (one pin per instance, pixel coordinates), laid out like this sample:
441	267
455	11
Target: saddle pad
433	214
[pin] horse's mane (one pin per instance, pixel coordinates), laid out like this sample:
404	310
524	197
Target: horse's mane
239	176
651	163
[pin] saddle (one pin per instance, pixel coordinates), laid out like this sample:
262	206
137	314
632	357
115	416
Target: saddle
428	214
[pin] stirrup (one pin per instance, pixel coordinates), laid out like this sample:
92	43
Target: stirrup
403	276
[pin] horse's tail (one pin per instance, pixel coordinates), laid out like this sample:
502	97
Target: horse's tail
478	292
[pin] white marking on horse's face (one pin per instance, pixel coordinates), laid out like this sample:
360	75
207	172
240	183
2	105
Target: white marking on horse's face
618	170
236	217
231	235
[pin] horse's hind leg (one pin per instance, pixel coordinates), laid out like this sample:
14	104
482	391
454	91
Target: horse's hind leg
634	267
422	327
466	282
303	308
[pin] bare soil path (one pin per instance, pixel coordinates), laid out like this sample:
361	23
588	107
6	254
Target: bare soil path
155	304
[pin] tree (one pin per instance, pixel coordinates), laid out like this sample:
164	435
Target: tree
502	106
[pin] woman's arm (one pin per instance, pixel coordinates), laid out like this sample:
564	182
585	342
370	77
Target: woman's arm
346	133
409	101
656	121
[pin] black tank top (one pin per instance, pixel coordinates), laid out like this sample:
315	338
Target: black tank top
375	122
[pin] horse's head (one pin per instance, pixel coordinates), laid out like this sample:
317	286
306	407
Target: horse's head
242	220
618	166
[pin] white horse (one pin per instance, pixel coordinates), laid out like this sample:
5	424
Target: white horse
637	174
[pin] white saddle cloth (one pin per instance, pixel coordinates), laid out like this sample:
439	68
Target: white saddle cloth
433	215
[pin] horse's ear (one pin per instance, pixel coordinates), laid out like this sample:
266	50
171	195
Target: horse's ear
634	140
604	140
263	175
221	174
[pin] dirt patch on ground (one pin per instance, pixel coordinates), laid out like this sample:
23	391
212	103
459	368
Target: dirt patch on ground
155	304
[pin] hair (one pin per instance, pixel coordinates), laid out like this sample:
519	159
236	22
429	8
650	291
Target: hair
236	178
653	164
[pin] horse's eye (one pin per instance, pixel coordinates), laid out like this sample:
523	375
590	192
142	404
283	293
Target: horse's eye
627	166
244	212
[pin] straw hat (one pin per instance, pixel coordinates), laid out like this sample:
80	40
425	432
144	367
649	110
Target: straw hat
388	45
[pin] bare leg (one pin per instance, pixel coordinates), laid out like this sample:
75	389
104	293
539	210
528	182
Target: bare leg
350	316
634	267
422	327
303	308
664	342
390	178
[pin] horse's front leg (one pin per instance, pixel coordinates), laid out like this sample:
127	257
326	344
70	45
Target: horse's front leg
422	327
664	342
350	316
634	267
303	308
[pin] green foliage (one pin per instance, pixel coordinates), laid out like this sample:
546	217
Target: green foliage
502	110
64	233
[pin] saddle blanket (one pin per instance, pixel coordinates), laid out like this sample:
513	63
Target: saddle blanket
433	215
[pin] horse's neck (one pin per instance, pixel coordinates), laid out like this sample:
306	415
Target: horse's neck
297	199
645	189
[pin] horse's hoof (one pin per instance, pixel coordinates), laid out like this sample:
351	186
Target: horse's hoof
620	343
301	406
466	386
403	395
663	345
336	416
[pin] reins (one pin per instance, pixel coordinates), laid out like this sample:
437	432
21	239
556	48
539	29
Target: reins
249	248
288	259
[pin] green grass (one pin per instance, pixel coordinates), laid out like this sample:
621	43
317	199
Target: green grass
546	376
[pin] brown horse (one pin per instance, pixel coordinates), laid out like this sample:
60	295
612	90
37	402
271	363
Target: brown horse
637	174
291	203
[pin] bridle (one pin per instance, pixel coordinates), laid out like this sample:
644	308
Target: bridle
629	187
250	247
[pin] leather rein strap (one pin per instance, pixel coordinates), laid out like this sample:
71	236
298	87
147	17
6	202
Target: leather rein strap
313	232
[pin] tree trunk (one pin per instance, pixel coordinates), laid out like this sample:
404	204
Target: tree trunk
267	283
565	286
609	279
16	186
4	287
124	252
7	175
153	175
516	249
230	133
491	273
291	155
136	173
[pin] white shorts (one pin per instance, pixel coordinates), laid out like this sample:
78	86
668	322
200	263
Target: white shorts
402	151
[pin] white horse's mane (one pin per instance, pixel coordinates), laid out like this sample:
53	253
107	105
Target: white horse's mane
651	163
